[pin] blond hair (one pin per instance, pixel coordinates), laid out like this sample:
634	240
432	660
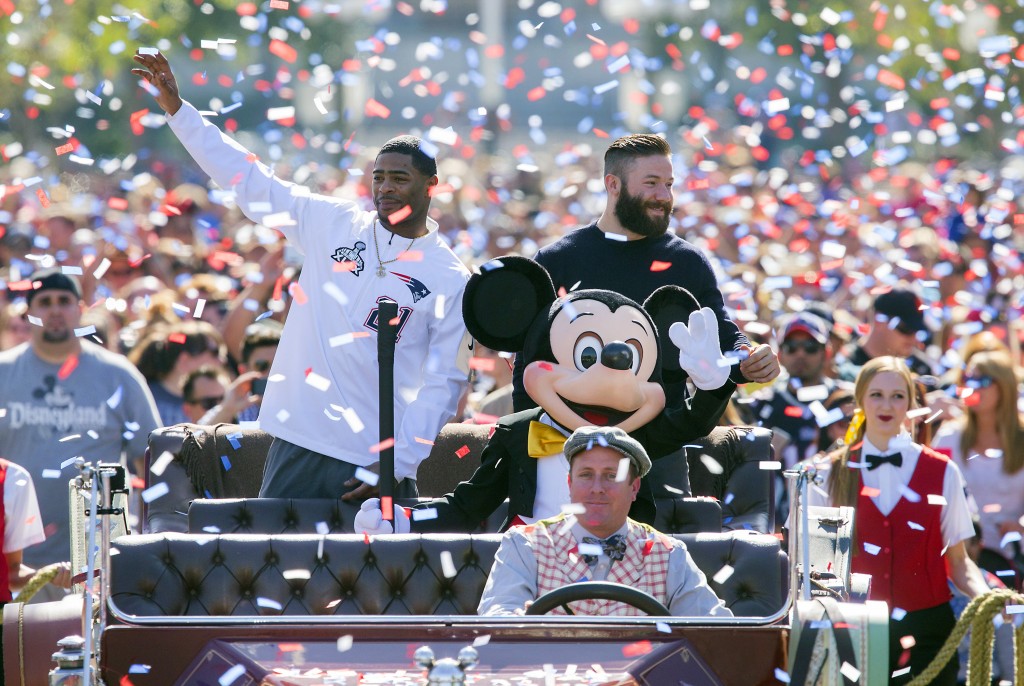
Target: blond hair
843	482
998	365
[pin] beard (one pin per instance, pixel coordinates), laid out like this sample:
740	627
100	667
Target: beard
61	335
631	211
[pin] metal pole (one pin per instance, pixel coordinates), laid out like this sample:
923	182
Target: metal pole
387	312
805	534
90	569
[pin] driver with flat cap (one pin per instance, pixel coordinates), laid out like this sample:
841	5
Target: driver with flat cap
596	541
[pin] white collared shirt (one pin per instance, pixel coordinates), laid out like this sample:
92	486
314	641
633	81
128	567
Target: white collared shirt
891	483
552	481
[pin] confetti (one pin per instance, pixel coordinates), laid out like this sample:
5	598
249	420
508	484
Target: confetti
448	565
318	382
231	676
723	574
344	643
155	491
366	476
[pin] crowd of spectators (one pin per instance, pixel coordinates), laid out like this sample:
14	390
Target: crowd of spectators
175	278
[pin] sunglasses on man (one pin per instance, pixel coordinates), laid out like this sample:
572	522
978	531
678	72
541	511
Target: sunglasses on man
207	403
808	347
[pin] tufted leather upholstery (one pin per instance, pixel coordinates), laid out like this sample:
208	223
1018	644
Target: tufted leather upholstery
195	575
287	516
745	490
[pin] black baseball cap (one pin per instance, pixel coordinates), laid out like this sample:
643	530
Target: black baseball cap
52	279
901	303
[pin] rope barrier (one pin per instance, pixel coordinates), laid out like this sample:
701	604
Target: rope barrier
39	579
977	617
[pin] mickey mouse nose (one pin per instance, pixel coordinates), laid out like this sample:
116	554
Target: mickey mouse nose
617	355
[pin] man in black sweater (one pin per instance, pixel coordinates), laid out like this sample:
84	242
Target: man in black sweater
629	250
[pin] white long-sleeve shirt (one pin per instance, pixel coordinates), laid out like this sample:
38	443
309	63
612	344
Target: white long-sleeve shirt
322	393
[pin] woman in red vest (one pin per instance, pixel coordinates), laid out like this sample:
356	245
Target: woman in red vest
912	519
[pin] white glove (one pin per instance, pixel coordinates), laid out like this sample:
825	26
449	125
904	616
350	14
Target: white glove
699	353
370	519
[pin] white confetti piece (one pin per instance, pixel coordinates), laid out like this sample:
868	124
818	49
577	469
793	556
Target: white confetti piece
51	473
448	565
809	394
353	420
481	640
573	508
318	382
200	306
85	331
776	106
35	321
711	464
936	499
915	526
781	675
283	415
102	268
723	574
444	136
345	643
71	271
268	603
156	491
160	464
1008	538
331	289
850	672
1014	609
68	462
425	514
898	613
341	339
590	549
231	676
366	476
439	306
148	51
291	574
319	104
872	549
279	113
769	465
69	438
623	470
663	627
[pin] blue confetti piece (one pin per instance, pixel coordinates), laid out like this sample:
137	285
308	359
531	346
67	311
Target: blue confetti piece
226	462
264	315
209	496
233	440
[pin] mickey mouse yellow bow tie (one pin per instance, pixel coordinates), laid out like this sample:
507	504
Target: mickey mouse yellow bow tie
544	440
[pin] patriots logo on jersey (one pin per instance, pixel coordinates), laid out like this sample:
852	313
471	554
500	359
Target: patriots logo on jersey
416	287
352	256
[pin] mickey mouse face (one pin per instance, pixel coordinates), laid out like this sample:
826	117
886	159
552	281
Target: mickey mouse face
604	359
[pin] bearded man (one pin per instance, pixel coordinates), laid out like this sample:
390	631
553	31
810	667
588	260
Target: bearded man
629	250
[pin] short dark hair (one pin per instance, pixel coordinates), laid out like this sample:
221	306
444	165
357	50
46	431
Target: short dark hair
207	371
411	146
623	151
259	335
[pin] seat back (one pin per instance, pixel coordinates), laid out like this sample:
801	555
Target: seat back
726	464
453	458
231	574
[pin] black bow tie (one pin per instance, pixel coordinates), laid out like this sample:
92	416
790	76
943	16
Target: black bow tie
614	548
875	461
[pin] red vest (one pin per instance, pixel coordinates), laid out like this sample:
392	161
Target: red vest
5	580
909	570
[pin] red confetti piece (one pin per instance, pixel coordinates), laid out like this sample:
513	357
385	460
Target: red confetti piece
894	81
68	367
289	647
536	94
178	338
139	260
424	441
383	445
23	285
482	364
125	681
648	547
43	200
278	5
297	293
399	216
376	109
65	149
462	452
870	492
387	508
281	49
637	649
117	203
600	133
794	411
659	266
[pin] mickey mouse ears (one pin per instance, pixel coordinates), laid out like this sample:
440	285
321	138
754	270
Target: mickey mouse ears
668	305
502	301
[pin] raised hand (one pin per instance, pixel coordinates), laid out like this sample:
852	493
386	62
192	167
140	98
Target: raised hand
157	71
699	353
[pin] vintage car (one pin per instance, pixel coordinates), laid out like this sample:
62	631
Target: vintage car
244	591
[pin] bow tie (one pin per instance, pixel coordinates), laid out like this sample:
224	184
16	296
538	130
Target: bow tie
614	547
544	440
875	461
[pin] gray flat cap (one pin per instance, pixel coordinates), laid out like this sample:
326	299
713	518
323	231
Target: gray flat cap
587	437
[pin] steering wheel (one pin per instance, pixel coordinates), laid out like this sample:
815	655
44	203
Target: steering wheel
597	590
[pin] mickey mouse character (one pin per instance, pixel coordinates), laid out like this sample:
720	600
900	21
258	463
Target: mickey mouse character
593	357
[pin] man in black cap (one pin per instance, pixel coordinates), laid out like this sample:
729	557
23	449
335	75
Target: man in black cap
63	397
897	329
598	541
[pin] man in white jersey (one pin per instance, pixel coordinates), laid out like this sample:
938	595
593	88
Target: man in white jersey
321	402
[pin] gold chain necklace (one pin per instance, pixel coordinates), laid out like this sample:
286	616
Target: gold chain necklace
380	263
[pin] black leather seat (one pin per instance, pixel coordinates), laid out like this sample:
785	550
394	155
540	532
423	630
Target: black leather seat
197	575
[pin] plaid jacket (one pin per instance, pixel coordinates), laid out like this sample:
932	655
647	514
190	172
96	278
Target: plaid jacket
645	565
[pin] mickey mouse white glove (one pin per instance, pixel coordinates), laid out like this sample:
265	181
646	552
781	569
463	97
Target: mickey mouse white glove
699	353
370	519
